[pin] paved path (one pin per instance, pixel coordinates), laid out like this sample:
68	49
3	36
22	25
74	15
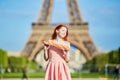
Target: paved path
43	79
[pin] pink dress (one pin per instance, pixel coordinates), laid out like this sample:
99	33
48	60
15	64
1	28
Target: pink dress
57	68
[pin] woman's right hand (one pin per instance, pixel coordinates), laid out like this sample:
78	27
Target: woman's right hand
46	47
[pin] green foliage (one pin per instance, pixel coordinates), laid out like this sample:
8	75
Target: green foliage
16	63
33	65
98	62
24	61
87	65
119	55
101	60
114	57
3	58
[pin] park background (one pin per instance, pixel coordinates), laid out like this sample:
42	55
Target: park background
16	18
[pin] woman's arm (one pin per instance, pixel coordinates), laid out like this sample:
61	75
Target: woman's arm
67	53
67	56
46	56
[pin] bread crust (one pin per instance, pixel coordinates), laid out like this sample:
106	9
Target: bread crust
53	43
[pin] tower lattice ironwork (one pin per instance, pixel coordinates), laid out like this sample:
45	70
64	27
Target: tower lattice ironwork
42	30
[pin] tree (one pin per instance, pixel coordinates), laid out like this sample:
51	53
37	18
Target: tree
16	63
3	58
119	55
114	57
97	63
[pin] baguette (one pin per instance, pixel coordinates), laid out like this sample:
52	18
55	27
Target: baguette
53	43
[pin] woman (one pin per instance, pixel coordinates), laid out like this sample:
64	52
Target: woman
56	51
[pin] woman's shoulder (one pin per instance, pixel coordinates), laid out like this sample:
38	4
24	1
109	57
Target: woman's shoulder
67	43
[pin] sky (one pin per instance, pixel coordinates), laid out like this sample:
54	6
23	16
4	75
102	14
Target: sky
17	16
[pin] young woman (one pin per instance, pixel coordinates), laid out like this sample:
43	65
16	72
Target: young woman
56	51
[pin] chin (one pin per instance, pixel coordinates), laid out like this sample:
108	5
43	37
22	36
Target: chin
62	36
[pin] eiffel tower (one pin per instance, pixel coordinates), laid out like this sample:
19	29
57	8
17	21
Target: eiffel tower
42	30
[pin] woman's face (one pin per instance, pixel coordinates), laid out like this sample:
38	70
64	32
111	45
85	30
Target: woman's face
62	32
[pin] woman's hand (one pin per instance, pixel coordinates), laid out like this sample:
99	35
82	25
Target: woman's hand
46	47
66	56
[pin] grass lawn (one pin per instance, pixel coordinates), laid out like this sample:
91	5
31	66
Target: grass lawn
42	74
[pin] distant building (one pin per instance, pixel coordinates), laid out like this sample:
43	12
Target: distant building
16	54
76	60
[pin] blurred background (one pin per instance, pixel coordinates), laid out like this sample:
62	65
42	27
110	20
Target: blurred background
16	18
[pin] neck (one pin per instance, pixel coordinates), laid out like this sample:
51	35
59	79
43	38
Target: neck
58	39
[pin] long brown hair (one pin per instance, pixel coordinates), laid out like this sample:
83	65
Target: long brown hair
54	35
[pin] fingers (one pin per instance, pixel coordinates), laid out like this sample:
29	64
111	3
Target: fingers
46	47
